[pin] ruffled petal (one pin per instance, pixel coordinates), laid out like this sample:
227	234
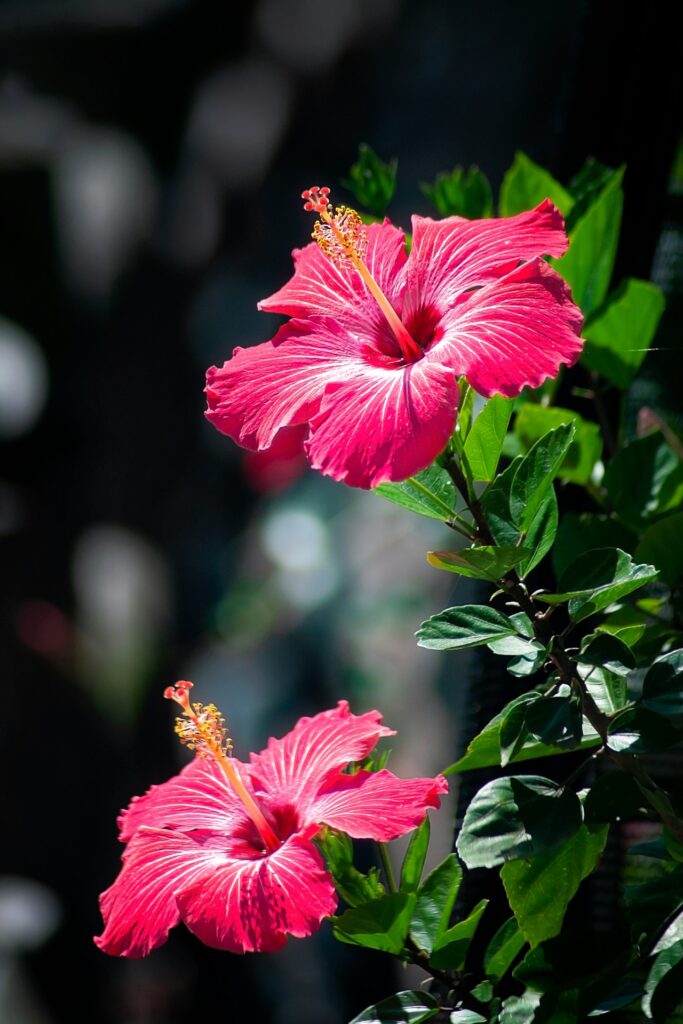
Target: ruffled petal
514	333
385	424
321	288
377	805
292	770
280	383
140	908
249	906
452	255
198	798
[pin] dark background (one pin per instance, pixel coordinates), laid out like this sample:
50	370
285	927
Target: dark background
152	153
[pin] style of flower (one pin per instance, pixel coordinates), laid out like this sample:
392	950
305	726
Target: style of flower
227	847
370	358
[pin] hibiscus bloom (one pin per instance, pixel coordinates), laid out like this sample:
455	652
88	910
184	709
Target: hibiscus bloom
227	847
370	359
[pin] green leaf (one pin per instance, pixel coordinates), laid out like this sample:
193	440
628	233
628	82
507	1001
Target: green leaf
354	886
608	652
430	493
451	948
615	796
520	1009
503	949
517	816
540	890
636	730
414	860
662	544
664	984
644	480
587	266
663	685
496	505
465	409
435	901
468	625
597	579
484	749
619	335
525	185
460	193
552	721
672	933
371	181
536	472
485	440
533	421
533	1008
585	187
466	1017
381	924
482	563
580	533
404	1008
608	690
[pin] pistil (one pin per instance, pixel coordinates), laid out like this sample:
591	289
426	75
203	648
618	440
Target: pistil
341	235
201	728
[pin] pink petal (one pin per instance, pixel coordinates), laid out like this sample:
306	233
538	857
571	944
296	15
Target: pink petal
292	769
514	333
280	383
386	423
140	908
452	255
198	798
377	805
248	906
320	287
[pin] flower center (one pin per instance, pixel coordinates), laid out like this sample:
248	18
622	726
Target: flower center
341	235
202	728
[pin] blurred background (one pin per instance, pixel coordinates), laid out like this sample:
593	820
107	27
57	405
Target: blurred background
152	154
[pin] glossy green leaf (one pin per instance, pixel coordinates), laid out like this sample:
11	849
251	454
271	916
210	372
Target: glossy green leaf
404	1008
525	185
619	335
597	579
636	730
533	421
608	689
372	181
536	472
608	652
539	890
466	1017
552	721
354	886
468	625
663	685
517	816
586	186
615	796
451	947
662	544
503	949
485	440
644	480
664	984
460	193
382	924
414	860
587	266
484	749
483	563
505	531
435	901
430	493
672	933
579	533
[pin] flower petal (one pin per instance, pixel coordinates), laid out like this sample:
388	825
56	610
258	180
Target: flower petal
386	423
452	255
198	798
514	333
140	908
245	906
292	770
321	287
278	384
377	805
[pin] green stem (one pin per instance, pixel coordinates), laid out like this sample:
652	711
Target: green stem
386	864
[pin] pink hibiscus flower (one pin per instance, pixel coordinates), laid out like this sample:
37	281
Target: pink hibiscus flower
227	847
370	359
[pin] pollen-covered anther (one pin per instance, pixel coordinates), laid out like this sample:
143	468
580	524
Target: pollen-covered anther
202	729
341	235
